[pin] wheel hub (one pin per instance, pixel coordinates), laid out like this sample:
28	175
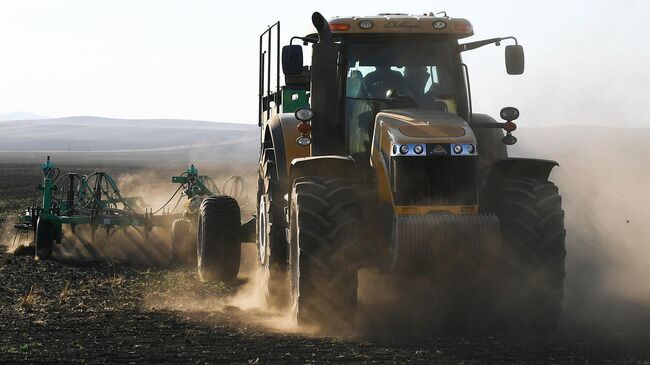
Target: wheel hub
262	230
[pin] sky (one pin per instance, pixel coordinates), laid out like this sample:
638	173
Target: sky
587	62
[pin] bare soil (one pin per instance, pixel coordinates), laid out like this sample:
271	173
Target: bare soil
77	309
84	311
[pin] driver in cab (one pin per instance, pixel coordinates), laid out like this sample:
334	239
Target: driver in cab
378	82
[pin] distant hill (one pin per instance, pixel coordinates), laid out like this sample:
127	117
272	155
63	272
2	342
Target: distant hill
166	138
158	140
20	116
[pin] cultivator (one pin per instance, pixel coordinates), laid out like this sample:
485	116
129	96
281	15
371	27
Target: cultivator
95	201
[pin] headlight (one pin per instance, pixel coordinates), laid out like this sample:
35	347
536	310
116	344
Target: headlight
458	149
304	114
404	149
471	149
418	149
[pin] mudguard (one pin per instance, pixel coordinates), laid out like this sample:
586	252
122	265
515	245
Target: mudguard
280	134
508	168
521	168
331	165
274	138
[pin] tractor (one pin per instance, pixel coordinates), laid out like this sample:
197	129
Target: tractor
373	157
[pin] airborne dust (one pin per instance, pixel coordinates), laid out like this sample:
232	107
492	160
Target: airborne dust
607	273
605	201
602	177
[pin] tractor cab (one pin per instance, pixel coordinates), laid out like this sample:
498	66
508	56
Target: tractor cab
364	65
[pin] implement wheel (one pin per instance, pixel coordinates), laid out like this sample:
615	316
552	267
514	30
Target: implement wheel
532	226
324	241
219	239
183	243
44	239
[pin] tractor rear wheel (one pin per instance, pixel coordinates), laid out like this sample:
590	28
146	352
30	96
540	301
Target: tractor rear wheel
324	235
532	226
183	243
271	233
219	239
44	239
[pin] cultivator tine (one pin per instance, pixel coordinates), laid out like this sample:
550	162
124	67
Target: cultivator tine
92	251
73	245
139	249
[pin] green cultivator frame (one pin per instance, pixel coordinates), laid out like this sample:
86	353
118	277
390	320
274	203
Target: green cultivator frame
95	201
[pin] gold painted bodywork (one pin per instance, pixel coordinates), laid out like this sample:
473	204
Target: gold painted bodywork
402	23
415	126
394	127
290	133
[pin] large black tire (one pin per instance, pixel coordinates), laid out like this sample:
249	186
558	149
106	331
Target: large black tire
219	239
532	226
271	233
44	239
183	243
325	216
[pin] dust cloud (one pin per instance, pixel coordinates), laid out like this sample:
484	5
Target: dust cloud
242	303
601	177
608	229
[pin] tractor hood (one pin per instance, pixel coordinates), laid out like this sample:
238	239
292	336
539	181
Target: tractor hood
405	126
425	158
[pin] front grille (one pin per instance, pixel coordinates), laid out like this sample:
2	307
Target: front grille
434	180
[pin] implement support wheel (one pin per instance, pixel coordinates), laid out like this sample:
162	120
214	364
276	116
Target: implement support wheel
219	239
183	243
44	239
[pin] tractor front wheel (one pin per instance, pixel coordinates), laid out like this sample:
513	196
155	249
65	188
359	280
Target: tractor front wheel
323	250
219	239
532	226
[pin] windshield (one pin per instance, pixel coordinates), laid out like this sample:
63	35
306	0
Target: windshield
390	74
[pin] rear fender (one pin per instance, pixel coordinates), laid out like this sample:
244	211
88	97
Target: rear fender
280	134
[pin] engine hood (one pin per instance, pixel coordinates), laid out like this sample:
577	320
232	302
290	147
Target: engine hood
422	126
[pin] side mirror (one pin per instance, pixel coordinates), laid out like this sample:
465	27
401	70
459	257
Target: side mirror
292	61
515	59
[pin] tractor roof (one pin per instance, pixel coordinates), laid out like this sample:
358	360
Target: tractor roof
402	23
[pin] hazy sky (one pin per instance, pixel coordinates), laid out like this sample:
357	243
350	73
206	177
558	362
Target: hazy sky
586	61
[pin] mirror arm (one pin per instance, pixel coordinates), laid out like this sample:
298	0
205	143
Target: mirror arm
305	40
485	42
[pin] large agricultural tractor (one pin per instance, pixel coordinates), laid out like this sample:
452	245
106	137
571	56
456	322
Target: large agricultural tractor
373	157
